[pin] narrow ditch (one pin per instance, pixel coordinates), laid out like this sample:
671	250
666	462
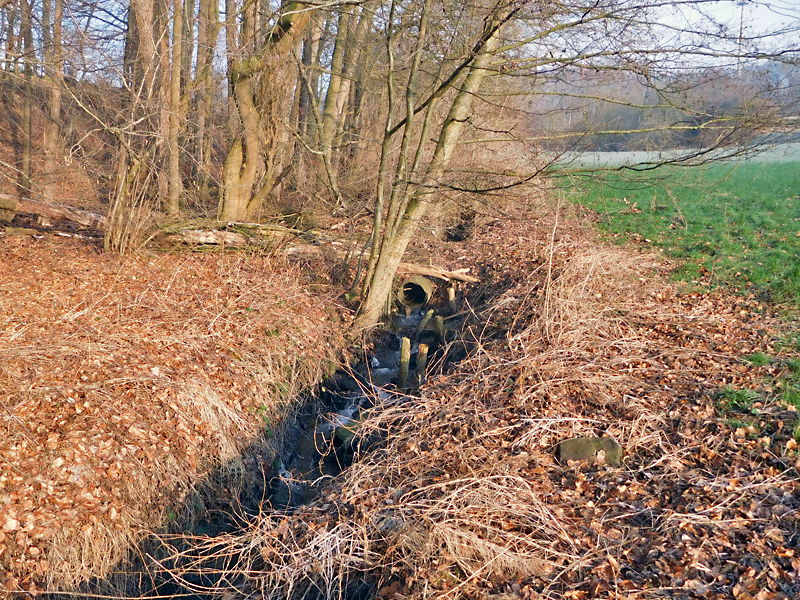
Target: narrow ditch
321	440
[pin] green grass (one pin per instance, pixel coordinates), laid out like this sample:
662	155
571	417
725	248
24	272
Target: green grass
759	359
733	400
732	225
784	385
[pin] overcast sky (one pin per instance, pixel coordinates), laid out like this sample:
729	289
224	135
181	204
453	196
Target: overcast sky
757	16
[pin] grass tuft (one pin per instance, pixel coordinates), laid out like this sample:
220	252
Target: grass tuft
733	400
759	359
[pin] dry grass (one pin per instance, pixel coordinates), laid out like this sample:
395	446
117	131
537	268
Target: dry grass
456	493
127	382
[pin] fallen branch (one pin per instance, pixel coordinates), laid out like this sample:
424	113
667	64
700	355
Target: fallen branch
8	202
438	272
212	236
54	211
230	238
403	268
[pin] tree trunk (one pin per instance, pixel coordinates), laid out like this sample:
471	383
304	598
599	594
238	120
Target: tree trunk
410	205
336	85
350	69
10	63
189	8
344	64
304	107
145	59
137	179
55	79
245	166
207	33
129	59
162	156
353	122
176	112
319	36
29	53
10	89
232	51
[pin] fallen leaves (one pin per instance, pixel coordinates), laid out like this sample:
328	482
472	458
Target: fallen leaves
706	503
99	434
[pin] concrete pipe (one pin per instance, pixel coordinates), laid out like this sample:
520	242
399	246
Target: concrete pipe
415	292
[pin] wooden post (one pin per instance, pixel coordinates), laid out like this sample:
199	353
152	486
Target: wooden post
438	328
451	298
405	357
423	324
422	362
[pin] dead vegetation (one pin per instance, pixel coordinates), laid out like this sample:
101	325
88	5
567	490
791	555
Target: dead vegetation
124	382
456	493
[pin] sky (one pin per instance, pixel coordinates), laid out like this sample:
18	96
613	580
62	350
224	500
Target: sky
756	16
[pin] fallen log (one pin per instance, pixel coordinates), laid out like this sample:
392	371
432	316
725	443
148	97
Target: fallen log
403	268
212	236
54	211
234	239
206	231
7	207
437	272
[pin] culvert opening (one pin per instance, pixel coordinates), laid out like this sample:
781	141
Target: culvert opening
415	292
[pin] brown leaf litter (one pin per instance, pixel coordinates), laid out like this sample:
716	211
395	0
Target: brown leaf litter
457	493
123	382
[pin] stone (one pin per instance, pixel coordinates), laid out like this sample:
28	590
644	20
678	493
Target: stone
589	448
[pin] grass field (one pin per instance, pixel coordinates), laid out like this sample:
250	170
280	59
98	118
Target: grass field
733	225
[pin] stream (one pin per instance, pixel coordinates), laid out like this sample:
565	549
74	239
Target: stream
317	444
320	446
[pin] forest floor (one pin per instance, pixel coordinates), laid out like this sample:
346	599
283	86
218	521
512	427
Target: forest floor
456	493
123	382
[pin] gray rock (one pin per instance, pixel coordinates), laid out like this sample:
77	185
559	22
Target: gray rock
588	448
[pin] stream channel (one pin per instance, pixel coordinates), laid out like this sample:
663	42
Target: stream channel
319	442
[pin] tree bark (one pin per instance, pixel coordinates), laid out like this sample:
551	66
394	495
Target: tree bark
139	179
207	34
29	53
145	59
304	107
244	165
319	37
176	112
10	62
189	8
344	64
336	86
232	51
162	155
56	211
414	202
55	80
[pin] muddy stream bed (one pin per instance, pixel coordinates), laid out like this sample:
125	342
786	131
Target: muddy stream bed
323	437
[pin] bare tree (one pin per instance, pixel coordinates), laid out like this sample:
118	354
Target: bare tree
208	32
411	185
415	86
54	80
540	47
252	166
28	53
176	111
